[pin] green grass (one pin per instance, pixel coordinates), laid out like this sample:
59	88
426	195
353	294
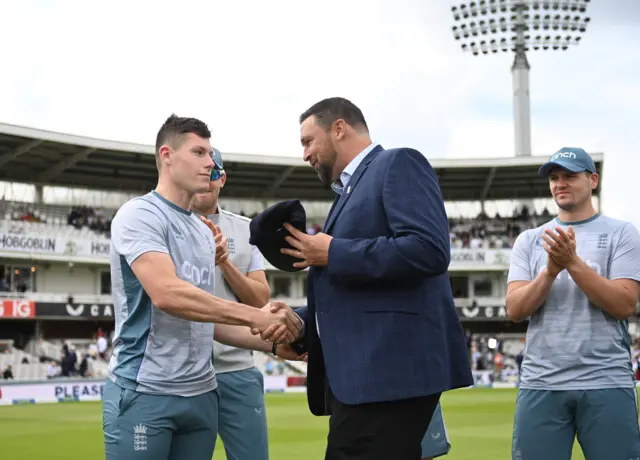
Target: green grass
479	422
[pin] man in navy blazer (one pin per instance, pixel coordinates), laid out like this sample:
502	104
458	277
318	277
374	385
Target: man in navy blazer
381	330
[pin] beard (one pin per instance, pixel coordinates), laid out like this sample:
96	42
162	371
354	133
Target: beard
571	205
324	174
567	206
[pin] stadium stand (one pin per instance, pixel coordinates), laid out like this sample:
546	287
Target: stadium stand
84	222
23	365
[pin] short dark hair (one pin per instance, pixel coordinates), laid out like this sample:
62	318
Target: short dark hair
327	111
175	127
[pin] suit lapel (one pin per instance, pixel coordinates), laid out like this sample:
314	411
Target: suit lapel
346	194
333	206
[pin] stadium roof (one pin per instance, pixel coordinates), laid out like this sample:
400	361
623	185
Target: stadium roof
49	158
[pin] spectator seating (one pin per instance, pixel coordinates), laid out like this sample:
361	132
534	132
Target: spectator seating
32	369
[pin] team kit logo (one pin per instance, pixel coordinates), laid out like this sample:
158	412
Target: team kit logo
197	275
140	438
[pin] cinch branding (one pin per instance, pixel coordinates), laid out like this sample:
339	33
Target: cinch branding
197	275
563	155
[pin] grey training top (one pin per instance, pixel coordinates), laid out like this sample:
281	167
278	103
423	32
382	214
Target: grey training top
572	343
247	258
155	352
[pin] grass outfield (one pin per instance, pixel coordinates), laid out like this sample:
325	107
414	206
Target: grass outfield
479	422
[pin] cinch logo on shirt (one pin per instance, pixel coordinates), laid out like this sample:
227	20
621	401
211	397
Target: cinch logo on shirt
199	276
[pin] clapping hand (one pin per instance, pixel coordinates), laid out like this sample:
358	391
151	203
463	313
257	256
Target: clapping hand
553	269
278	323
222	243
561	247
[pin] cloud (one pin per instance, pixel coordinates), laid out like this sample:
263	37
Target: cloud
249	68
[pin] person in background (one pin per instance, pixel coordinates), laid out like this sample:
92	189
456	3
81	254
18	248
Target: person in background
239	277
8	373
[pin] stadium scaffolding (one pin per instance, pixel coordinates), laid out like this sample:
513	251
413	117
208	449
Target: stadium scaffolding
41	157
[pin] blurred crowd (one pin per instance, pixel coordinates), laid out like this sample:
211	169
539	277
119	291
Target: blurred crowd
80	362
481	232
497	232
93	218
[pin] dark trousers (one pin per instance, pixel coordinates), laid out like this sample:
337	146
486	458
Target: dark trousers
391	430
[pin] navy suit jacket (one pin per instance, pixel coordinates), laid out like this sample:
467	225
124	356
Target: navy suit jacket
388	325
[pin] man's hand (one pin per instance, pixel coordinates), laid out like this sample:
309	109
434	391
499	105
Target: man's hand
222	243
553	269
285	351
312	249
561	246
274	333
277	323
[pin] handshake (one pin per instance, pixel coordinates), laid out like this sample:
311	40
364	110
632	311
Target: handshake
276	322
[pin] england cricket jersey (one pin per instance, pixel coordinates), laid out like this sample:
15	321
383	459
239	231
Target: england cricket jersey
155	352
572	343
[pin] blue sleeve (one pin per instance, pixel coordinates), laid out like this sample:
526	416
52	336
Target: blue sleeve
625	260
302	312
137	228
420	245
300	345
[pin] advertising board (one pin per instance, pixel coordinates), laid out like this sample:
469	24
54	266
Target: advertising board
65	390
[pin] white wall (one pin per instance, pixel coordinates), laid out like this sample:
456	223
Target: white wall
60	279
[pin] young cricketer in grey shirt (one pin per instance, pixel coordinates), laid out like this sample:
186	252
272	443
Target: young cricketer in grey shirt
161	381
242	412
577	358
572	344
153	351
247	258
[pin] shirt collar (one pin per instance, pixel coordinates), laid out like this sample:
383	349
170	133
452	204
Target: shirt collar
343	181
215	217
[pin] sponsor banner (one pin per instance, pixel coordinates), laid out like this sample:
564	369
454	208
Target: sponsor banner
84	390
17	309
504	385
482	378
105	311
479	258
51	391
485	379
494	385
98	251
275	383
483	313
42	244
75	310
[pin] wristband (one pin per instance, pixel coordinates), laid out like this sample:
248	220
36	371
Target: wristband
273	348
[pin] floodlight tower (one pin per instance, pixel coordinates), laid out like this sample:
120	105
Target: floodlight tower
517	26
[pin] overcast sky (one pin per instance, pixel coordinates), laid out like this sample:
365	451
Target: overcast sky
248	68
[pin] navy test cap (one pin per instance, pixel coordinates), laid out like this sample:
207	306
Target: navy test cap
570	158
268	234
